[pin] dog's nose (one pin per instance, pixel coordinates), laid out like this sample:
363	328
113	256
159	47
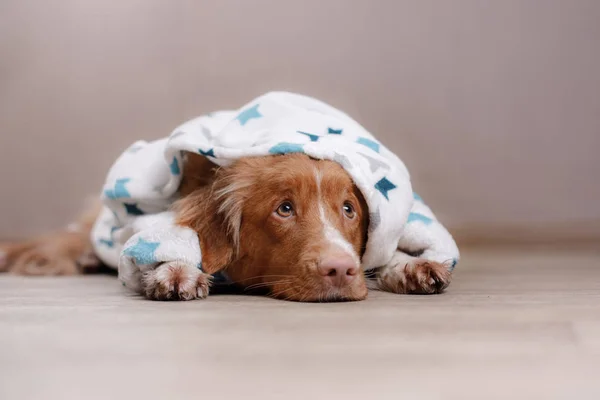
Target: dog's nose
339	270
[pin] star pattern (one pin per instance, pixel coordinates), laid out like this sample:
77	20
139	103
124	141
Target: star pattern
285	148
373	145
119	191
158	188
205	132
374	164
374	220
413	217
174	167
106	242
134	148
142	252
384	186
312	137
177	134
133	209
248	114
209	153
342	160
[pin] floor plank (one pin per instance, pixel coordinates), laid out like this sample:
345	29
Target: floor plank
513	323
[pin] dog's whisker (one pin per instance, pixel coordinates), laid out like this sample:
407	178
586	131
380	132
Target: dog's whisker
280	292
263	276
266	284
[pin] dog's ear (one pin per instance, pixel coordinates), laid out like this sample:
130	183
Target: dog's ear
197	211
211	204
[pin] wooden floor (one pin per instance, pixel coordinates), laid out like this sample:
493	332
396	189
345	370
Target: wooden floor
513	325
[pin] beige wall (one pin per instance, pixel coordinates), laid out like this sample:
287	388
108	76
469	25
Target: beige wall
494	105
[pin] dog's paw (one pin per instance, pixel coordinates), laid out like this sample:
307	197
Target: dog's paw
175	281
419	276
427	277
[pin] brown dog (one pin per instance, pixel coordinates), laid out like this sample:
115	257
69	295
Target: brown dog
288	223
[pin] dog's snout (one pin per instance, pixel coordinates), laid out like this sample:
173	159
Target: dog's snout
338	269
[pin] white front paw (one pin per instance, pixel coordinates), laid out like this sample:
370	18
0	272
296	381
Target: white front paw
175	280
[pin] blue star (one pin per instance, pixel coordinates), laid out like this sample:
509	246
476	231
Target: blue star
142	252
120	191
209	153
313	138
417	197
248	114
334	131
384	186
373	145
454	262
174	167
412	217
284	148
133	209
106	242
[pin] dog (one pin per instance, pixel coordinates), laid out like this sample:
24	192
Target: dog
303	236
298	226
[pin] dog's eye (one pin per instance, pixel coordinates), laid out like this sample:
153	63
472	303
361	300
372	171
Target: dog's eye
285	209
349	210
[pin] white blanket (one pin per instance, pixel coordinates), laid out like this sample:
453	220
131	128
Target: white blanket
136	232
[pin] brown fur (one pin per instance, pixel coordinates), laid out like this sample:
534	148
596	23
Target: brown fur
65	252
281	255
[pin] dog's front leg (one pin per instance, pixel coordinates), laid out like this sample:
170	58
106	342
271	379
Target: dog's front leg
163	261
175	280
412	275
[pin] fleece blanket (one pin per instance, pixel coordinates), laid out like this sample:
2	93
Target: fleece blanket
135	231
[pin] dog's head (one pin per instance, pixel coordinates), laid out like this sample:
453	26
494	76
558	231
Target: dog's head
291	224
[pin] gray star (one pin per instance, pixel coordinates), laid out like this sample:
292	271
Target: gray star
375	220
134	148
177	134
158	188
342	160
205	132
374	164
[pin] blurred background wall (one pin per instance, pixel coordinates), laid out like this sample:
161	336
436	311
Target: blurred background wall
493	105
